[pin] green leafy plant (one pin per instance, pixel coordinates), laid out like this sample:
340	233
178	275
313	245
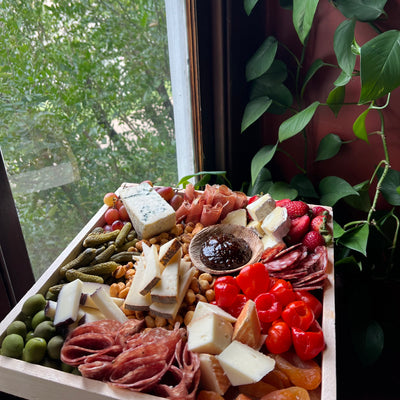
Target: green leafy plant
370	240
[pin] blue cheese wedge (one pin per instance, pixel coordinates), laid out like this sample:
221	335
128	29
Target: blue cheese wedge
277	223
260	208
149	212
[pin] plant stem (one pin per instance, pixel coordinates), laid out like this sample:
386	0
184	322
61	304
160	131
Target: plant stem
291	157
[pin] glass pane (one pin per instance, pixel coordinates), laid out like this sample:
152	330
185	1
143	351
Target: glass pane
85	105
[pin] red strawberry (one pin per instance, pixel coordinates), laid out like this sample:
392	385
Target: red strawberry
296	209
282	203
318	210
299	227
312	240
318	223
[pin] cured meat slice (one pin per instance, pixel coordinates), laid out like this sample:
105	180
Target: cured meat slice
210	214
189	193
195	211
182	212
283	262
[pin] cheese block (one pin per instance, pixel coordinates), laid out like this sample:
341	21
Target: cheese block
134	300
256	227
269	241
68	301
209	334
168	251
277	223
166	290
260	208
107	307
149	212
203	308
152	269
247	328
236	217
244	365
212	376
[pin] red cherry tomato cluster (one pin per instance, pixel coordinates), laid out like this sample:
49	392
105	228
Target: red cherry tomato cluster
116	215
288	317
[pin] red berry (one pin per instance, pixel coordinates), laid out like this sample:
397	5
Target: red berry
282	203
110	199
319	210
312	240
253	199
107	228
111	215
117	224
318	223
123	213
166	192
296	209
176	201
299	227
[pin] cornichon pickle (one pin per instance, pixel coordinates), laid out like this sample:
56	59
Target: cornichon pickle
131	235
100	269
95	239
83	259
97	230
120	239
73	274
54	290
124	256
127	245
104	256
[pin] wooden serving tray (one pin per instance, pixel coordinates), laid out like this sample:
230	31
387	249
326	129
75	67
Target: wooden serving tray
31	381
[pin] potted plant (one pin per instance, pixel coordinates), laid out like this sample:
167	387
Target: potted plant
366	226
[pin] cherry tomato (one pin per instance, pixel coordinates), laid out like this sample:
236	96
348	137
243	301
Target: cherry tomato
253	280
311	301
237	306
268	307
283	291
279	339
310	343
297	314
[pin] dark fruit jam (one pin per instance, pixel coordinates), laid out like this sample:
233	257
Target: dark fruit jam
224	252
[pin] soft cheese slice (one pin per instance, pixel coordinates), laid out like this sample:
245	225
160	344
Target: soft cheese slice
169	250
256	226
269	241
152	269
203	308
247	328
260	208
149	212
169	311
209	334
67	308
107	307
277	223
236	217
212	376
166	290
134	300
244	365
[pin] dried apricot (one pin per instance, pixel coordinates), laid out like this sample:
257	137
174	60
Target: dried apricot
278	379
208	395
290	393
257	389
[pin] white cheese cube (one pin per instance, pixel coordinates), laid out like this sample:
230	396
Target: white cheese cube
260	208
244	365
209	334
203	308
277	223
149	212
256	227
212	376
236	217
269	241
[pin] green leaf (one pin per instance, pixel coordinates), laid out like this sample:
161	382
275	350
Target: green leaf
297	122
303	15
390	186
356	239
362	10
380	66
304	186
342	79
335	99
262	184
328	147
276	74
333	188
315	66
359	128
261	158
369	340
342	44
281	190
287	4
362	201
185	179
262	59
338	231
254	109
249	5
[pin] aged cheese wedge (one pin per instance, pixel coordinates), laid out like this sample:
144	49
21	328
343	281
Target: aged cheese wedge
134	300
149	212
107	307
209	334
260	208
91	314
236	217
87	301
203	308
212	375
68	303
152	269
169	250
277	223
244	365
247	328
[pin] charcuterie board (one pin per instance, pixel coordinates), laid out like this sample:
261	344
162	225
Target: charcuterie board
32	381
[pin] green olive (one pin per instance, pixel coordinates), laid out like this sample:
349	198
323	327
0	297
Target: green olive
34	350
17	327
33	304
29	335
54	347
12	346
66	367
38	318
45	330
46	362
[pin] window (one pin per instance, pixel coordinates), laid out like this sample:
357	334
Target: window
86	104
